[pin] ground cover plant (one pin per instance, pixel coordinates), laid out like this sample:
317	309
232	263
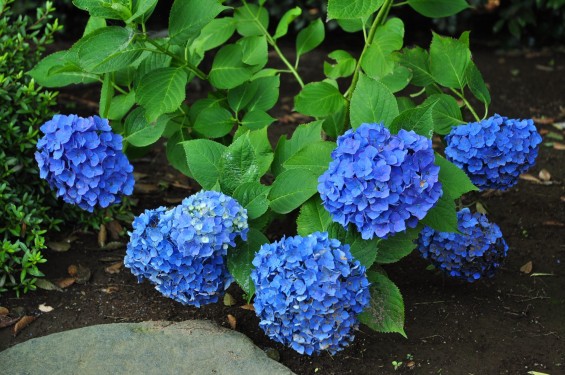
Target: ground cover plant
363	174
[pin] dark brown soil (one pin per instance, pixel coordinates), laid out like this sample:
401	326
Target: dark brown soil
511	324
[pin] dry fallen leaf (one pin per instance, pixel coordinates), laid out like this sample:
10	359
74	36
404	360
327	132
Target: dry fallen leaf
527	268
65	282
47	285
232	321
553	223
6	321
146	188
229	300
115	228
114	245
544	175
110	289
543	120
139	176
559	146
4	311
59	246
114	268
249	306
102	235
22	323
83	274
480	208
44	308
173	200
559	125
72	270
111	258
529	177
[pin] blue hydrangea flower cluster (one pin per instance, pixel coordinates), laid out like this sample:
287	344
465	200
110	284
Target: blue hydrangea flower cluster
495	151
309	291
83	162
478	251
182	250
380	182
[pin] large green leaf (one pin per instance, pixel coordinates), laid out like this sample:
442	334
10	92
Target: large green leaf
108	49
120	105
161	91
397	247
239	97
443	216
291	189
310	37
398	79
385	312
214	34
139	132
445	114
352	9
251	20
438	8
315	157
318	99
56	70
477	84
239	164
365	251
418	119
379	60
303	136
313	217
287	18
109	9
239	260
344	65
334	124
372	102
449	60
214	122
262	147
453	179
418	61
142	9
176	153
257	120
188	17
254	51
266	93
253	197
204	160
228	69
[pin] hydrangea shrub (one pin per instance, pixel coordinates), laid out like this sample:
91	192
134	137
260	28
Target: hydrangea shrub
381	183
362	175
183	250
494	152
477	251
309	291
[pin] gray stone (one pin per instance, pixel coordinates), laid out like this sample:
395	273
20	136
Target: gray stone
190	347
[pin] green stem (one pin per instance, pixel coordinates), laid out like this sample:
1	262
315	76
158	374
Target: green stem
381	16
199	73
273	43
119	89
400	4
461	95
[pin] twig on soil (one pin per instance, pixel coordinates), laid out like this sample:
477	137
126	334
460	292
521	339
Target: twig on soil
428	303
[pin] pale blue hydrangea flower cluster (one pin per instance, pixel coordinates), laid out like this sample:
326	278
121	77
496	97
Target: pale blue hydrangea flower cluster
183	250
494	152
474	253
83	162
309	291
380	182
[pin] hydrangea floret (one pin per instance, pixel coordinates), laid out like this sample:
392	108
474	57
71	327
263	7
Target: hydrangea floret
309	291
83	162
474	253
494	152
182	250
380	182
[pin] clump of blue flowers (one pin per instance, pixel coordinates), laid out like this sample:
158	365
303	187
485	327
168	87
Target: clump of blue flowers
83	162
478	251
494	152
182	250
309	291
380	182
